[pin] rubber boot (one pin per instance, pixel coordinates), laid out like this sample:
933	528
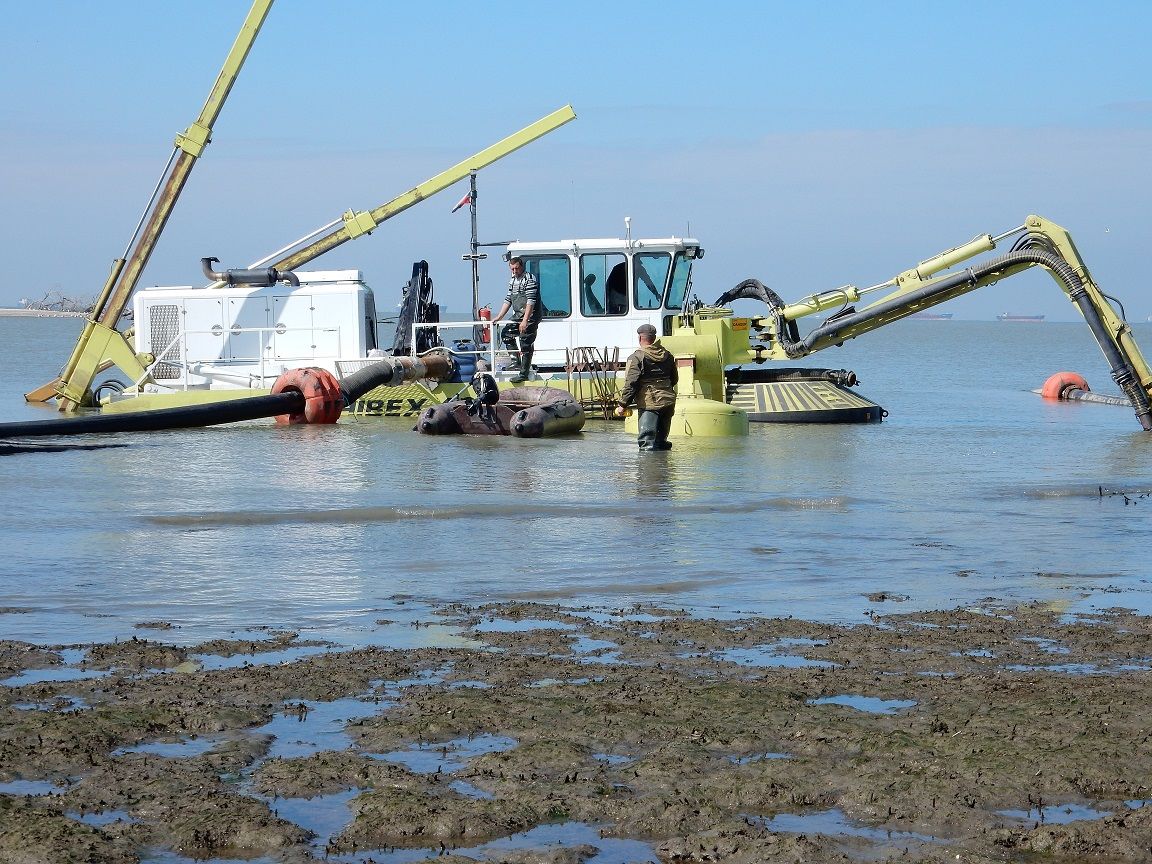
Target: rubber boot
525	367
646	425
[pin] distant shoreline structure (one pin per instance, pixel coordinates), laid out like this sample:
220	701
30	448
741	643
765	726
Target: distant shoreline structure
40	313
1010	317
932	316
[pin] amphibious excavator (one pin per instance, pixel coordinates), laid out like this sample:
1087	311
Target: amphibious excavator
723	346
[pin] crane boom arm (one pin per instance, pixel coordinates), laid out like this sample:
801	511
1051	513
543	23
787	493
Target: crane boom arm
70	388
356	224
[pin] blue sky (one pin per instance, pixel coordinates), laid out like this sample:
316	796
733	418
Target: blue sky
808	145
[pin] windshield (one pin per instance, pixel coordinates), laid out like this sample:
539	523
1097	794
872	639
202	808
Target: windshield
651	274
680	282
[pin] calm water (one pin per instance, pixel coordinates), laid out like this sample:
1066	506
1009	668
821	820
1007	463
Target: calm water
972	488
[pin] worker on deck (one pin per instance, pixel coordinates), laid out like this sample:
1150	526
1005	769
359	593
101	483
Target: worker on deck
523	299
650	380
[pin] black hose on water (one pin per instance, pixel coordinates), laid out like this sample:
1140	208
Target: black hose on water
352	388
228	411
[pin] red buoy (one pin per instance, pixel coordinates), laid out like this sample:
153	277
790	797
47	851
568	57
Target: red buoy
323	400
1058	385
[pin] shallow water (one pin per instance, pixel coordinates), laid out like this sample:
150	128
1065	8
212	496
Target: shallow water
972	488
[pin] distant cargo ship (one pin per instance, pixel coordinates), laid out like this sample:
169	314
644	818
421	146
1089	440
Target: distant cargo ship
932	316
1008	317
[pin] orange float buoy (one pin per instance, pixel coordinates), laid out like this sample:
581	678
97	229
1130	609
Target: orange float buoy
323	400
1057	386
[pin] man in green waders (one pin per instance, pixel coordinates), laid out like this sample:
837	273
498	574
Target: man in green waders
650	380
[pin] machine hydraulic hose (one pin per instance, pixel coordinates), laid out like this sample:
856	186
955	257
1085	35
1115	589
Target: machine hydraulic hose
1029	251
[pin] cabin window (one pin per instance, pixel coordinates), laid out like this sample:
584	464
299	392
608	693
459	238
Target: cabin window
649	279
680	283
603	285
554	276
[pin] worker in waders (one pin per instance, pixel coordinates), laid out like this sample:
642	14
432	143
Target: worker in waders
523	299
650	380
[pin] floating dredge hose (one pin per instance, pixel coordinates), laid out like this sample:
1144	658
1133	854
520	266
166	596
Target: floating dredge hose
1029	250
298	396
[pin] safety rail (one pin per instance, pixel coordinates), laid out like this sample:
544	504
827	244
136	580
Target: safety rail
488	352
232	366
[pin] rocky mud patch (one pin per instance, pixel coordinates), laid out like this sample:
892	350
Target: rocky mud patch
990	734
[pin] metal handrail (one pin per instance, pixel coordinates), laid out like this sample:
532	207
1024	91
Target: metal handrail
489	353
185	363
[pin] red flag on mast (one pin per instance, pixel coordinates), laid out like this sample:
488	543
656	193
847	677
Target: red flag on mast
467	199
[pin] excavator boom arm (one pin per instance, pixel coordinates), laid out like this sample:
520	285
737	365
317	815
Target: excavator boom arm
1041	243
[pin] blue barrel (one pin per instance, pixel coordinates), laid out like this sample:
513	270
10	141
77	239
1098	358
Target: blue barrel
465	362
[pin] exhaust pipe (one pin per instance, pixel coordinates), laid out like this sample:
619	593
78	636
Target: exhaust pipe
264	276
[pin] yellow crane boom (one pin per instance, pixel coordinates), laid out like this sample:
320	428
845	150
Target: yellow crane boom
99	338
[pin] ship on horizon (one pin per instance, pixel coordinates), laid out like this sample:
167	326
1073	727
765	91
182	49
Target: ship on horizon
1008	316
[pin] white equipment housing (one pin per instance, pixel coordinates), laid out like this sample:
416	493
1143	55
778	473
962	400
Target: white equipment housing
245	336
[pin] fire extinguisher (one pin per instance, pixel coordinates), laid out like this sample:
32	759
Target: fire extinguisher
485	314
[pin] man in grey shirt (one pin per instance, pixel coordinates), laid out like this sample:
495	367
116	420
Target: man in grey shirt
523	299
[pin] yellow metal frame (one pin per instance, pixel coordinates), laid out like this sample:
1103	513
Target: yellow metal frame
95	344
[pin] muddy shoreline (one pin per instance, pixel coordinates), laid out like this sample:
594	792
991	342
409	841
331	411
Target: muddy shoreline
991	734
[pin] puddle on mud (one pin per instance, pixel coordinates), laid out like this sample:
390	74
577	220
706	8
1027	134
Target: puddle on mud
447	757
1048	646
567	835
53	674
758	757
467	789
834	823
102	818
1056	814
323	815
774	655
869	704
59	704
612	759
975	652
182	749
520	625
29	787
1067	668
306	728
587	645
216	662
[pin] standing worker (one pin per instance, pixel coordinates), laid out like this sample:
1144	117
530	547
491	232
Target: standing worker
650	379
523	299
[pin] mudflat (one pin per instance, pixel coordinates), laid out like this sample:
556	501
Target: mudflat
979	735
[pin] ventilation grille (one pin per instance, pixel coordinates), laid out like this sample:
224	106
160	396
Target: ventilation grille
164	325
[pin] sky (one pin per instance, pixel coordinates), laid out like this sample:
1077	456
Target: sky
809	145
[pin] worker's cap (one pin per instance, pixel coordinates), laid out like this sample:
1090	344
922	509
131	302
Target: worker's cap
647	330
